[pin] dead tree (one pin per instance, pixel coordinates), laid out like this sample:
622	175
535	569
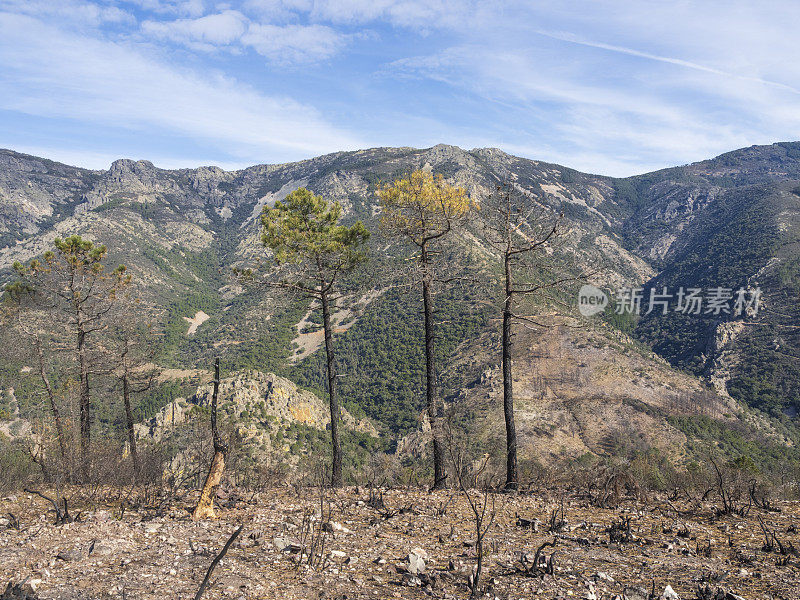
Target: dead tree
17	321
483	520
131	356
725	489
205	505
541	565
481	503
521	233
773	544
62	514
133	381
51	397
313	532
763	502
68	290
620	532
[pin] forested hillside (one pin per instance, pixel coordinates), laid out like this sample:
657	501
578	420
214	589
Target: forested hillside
727	222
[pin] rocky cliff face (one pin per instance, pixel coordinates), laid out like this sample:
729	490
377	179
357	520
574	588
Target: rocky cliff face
257	402
257	409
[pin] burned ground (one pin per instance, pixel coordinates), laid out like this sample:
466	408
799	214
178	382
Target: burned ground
367	539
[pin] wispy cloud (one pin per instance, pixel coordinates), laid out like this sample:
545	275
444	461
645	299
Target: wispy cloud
207	32
680	82
230	29
426	14
294	43
188	8
76	13
573	39
602	85
52	73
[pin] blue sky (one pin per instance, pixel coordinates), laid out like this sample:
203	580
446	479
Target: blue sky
612	87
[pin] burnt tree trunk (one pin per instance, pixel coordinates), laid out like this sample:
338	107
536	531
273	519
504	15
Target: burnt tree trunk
205	505
126	399
508	384
336	466
439	472
85	404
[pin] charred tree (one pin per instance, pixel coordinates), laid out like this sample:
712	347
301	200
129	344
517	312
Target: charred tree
205	505
520	230
424	211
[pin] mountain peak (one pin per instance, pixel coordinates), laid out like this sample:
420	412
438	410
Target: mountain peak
127	164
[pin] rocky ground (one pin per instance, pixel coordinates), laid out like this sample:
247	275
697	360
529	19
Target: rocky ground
412	545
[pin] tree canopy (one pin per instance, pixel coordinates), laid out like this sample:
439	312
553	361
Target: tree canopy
304	231
422	207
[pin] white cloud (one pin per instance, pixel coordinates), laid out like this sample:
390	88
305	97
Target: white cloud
293	43
623	83
430	13
568	37
211	30
279	43
188	8
50	73
425	14
75	12
595	84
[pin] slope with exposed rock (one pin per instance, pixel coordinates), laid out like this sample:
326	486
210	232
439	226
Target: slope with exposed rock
727	221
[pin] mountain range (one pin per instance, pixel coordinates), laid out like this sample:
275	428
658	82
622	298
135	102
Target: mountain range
669	383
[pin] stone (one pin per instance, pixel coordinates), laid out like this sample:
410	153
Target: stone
416	563
411	580
635	593
70	555
670	594
100	549
101	516
421	553
333	526
20	591
286	544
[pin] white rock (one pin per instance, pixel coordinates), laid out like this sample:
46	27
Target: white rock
669	594
334	526
420	552
416	563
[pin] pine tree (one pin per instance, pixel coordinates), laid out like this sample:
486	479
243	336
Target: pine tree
71	286
424	210
312	251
